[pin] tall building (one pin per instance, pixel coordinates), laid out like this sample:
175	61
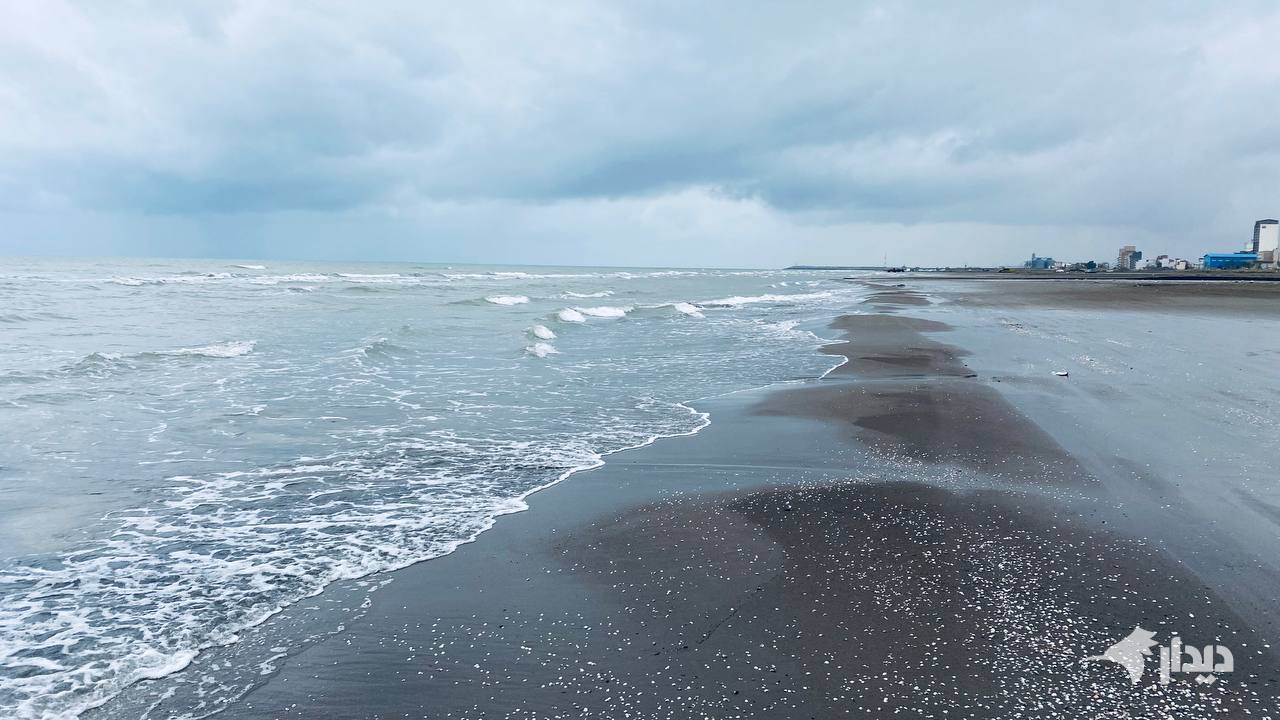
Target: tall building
1128	258
1266	236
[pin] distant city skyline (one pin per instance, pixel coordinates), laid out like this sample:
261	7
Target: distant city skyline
727	135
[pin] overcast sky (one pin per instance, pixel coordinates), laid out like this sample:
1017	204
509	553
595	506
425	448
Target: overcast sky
724	134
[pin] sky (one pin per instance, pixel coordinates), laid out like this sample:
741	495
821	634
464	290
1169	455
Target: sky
731	134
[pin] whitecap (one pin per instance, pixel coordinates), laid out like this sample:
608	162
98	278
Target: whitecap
507	299
570	315
602	293
295	278
542	332
235	348
542	349
739	300
377	278
251	267
688	309
604	311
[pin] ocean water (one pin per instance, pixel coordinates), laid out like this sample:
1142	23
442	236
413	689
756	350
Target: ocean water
186	447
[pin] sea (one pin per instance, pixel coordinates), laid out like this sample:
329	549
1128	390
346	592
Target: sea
188	447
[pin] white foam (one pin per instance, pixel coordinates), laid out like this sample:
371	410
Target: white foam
688	309
602	293
292	278
155	665
542	349
517	275
251	267
130	282
739	300
507	299
252	541
604	311
235	348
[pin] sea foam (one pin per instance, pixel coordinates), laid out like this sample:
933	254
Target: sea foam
688	309
604	311
404	450
542	349
235	348
739	300
507	299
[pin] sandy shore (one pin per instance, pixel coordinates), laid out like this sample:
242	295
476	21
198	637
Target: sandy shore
1252	296
913	536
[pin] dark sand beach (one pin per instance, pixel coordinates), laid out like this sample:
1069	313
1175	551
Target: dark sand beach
926	532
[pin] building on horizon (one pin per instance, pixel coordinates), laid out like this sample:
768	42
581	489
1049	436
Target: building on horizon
1266	242
1168	262
1128	258
1038	263
1229	261
1266	236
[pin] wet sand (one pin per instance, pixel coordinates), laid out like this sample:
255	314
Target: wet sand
914	396
1205	296
881	345
895	540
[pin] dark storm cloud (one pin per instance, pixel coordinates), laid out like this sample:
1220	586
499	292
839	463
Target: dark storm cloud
1121	115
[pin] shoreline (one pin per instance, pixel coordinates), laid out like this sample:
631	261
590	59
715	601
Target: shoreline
1195	276
725	572
352	592
92	708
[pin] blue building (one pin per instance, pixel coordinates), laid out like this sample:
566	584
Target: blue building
1230	261
1038	263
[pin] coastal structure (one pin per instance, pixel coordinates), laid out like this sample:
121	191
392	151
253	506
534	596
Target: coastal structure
1038	263
1128	258
1168	262
1266	243
1266	236
1230	261
1261	251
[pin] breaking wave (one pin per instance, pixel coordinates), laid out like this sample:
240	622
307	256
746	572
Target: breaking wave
542	349
688	309
507	299
604	311
344	453
235	348
740	300
100	364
